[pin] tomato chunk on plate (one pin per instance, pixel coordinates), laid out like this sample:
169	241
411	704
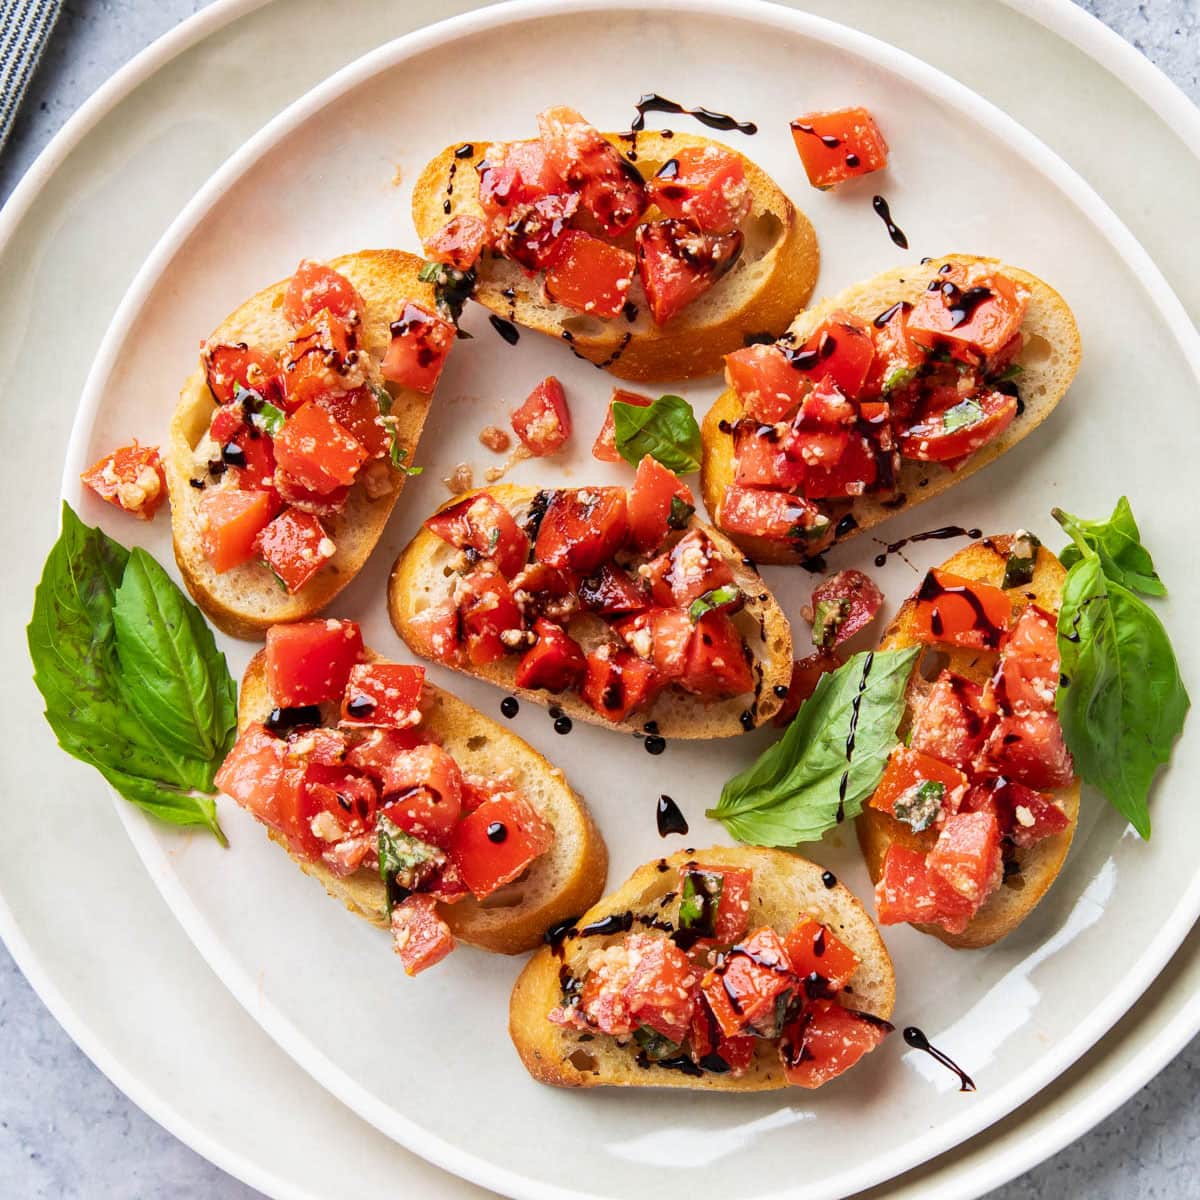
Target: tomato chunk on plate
543	421
806	674
418	349
314	287
497	842
844	605
961	612
705	185
827	1039
419	935
838	145
590	275
309	662
230	523
132	478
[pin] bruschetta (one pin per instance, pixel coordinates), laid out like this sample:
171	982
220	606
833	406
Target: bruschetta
291	440
410	807
730	969
974	815
650	254
616	605
882	397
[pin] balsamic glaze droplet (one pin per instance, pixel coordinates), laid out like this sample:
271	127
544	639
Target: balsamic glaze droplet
780	691
655	744
880	205
829	879
510	706
497	832
360	706
669	817
918	1041
847	525
506	329
747	719
301	716
562	725
940	534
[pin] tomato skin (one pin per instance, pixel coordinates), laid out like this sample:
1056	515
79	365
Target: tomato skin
486	610
293	545
1029	749
812	949
437	632
376	752
314	287
259	776
424	794
309	662
717	665
857	590
760	461
854	472
945	316
897	357
605	446
956	611
1026	677
358	413
1024	815
488	859
515	174
661	636
840	348
806	674
480	522
131	478
590	275
230	524
951	723
228	365
777	516
908	768
612	590
906	894
582	528
383	694
543	421
678	264
705	185
661	991
419	936
318	360
743	989
618	682
767	384
317	452
418	349
258	454
554	662
690	568
929	441
459	242
858	149
650	503
967	855
826	1040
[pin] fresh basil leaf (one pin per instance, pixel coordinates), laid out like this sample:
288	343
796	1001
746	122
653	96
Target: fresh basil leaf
268	418
656	1046
966	412
399	455
899	377
665	429
919	806
1121	700
828	617
714	598
383	397
430	272
680	514
1018	568
404	861
1012	371
1119	545
829	760
699	901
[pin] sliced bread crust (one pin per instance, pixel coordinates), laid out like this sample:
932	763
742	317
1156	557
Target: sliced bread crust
1038	865
784	887
423	576
1049	361
569	877
772	280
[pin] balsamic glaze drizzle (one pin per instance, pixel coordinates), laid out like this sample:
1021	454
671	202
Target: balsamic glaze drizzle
669	817
880	205
918	1041
506	329
653	102
941	534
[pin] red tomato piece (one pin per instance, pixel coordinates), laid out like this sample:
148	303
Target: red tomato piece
258	774
750	985
661	636
306	500
497	842
131	477
481	523
760	461
960	431
228	366
387	694
423	794
906	893
826	407
590	275
295	546
486	610
661	991
855	471
767	384
230	522
605	446
836	146
418	349
849	602
547	590
827	1039
309	662
250	458
319	745
358	413
582	528
533	233
806	674
692	567
650	503
961	612
543	422
733	905
705	185
612	590
314	287
907	769
967	855
459	242
711	1049
419	936
436	632
348	797
776	516
951	723
376	750
514	174
815	951
897	357
554	662
603	1003
817	450
317	452
717	665
319	360
1025	816
618	682
842	349
1026	678
1029	749
678	264
972	314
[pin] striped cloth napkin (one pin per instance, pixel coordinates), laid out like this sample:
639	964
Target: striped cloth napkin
25	26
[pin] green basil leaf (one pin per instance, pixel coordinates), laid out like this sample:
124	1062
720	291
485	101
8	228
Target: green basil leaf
699	900
399	454
1012	371
1119	545
829	760
919	806
828	617
967	412
383	397
404	861
714	598
430	272
1018	567
656	1046
665	429
268	418
899	377
680	514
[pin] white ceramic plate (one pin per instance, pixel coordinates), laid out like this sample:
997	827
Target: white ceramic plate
200	294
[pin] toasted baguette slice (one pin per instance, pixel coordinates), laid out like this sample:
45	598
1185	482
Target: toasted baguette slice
1049	361
1040	864
784	887
773	278
423	576
246	600
570	876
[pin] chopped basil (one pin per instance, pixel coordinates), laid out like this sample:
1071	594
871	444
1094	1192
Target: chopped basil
384	397
398	453
680	514
968	412
404	861
268	418
1012	371
828	618
919	806
431	272
899	377
283	587
771	1026
655	1045
451	289
714	598
1018	570
699	900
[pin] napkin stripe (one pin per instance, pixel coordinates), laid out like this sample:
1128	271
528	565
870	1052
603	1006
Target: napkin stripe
24	27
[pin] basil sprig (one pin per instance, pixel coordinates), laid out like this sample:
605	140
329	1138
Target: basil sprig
133	682
665	429
1120	700
828	761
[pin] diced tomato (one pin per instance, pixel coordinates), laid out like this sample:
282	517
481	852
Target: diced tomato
590	275
661	991
317	452
230	522
957	432
226	366
582	528
732	917
314	287
305	499
767	384
612	590
951	722
806	674
256	451
294	546
855	471
317	745
436	631
417	352
849	602
605	446
760	461
423	794
550	591
533	233
349	798
827	1039
459	242
817	450
487	609
419	935
497	842
813	950
907	769
968	313
776	516
257	774
543	422
842	348
748	989
905	893
961	612
554	662
678	264
1030	749
692	567
610	187
967	855
514	174
376	751
650	503
228	421
358	413
661	636
835	146
481	523
718	663
387	694
705	185
309	662
897	357
1024	815
603	1002
826	407
711	1048
318	360
618	682
1026	678
132	478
